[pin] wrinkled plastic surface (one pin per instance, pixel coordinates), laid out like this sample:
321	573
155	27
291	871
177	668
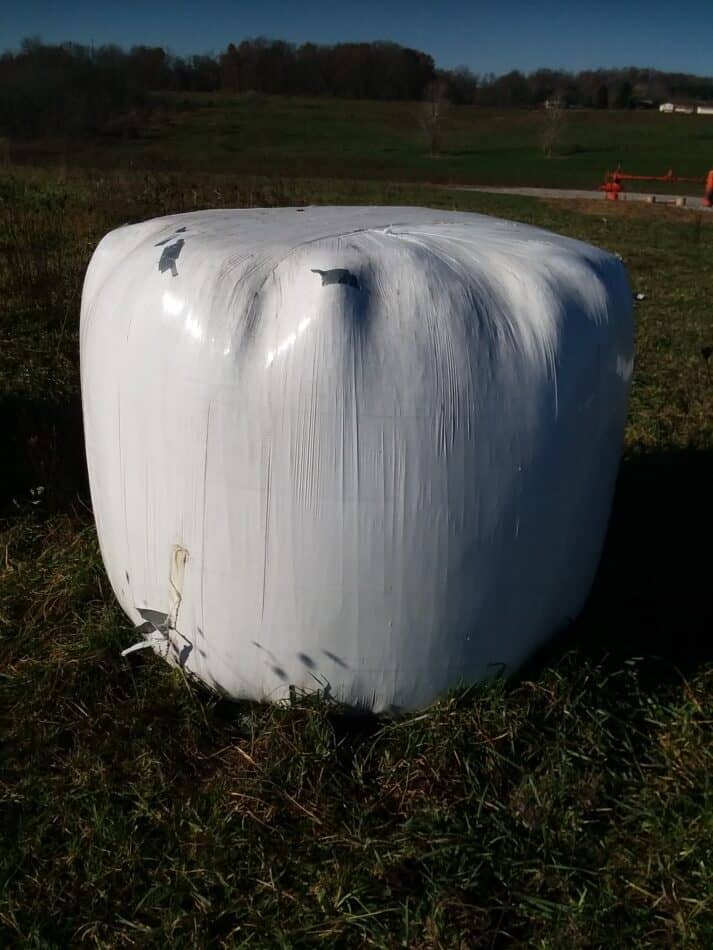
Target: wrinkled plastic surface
367	450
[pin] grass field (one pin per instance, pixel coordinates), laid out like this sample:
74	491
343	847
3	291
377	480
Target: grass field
568	807
312	138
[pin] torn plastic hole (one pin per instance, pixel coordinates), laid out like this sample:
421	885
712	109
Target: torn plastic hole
338	275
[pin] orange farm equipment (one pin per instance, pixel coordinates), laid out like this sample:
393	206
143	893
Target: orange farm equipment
613	183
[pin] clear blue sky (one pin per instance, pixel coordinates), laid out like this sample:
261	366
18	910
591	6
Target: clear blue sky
487	37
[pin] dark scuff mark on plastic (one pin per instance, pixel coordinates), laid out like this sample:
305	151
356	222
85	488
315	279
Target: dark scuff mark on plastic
339	275
264	650
201	636
169	256
335	659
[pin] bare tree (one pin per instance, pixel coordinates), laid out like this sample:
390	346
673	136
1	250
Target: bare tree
435	106
553	125
230	69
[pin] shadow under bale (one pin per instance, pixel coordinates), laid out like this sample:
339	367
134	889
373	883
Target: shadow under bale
651	596
44	456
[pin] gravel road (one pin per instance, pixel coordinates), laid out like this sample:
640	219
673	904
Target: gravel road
692	201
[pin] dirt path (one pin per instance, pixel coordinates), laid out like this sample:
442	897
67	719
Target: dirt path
691	201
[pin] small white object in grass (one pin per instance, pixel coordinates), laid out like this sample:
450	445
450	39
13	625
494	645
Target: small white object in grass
152	639
640	296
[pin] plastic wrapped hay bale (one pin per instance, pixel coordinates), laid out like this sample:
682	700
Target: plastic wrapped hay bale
365	450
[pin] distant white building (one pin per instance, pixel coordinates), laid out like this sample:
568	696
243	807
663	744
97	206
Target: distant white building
686	108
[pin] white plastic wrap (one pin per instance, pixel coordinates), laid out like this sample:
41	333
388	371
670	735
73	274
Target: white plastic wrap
367	450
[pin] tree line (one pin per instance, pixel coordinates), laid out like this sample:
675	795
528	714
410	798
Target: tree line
69	88
625	88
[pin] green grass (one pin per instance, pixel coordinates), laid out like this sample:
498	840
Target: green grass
568	807
296	137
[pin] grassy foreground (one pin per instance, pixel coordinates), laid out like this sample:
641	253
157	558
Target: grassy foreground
569	807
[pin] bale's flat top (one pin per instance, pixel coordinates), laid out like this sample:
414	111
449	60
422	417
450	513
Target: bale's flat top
288	228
